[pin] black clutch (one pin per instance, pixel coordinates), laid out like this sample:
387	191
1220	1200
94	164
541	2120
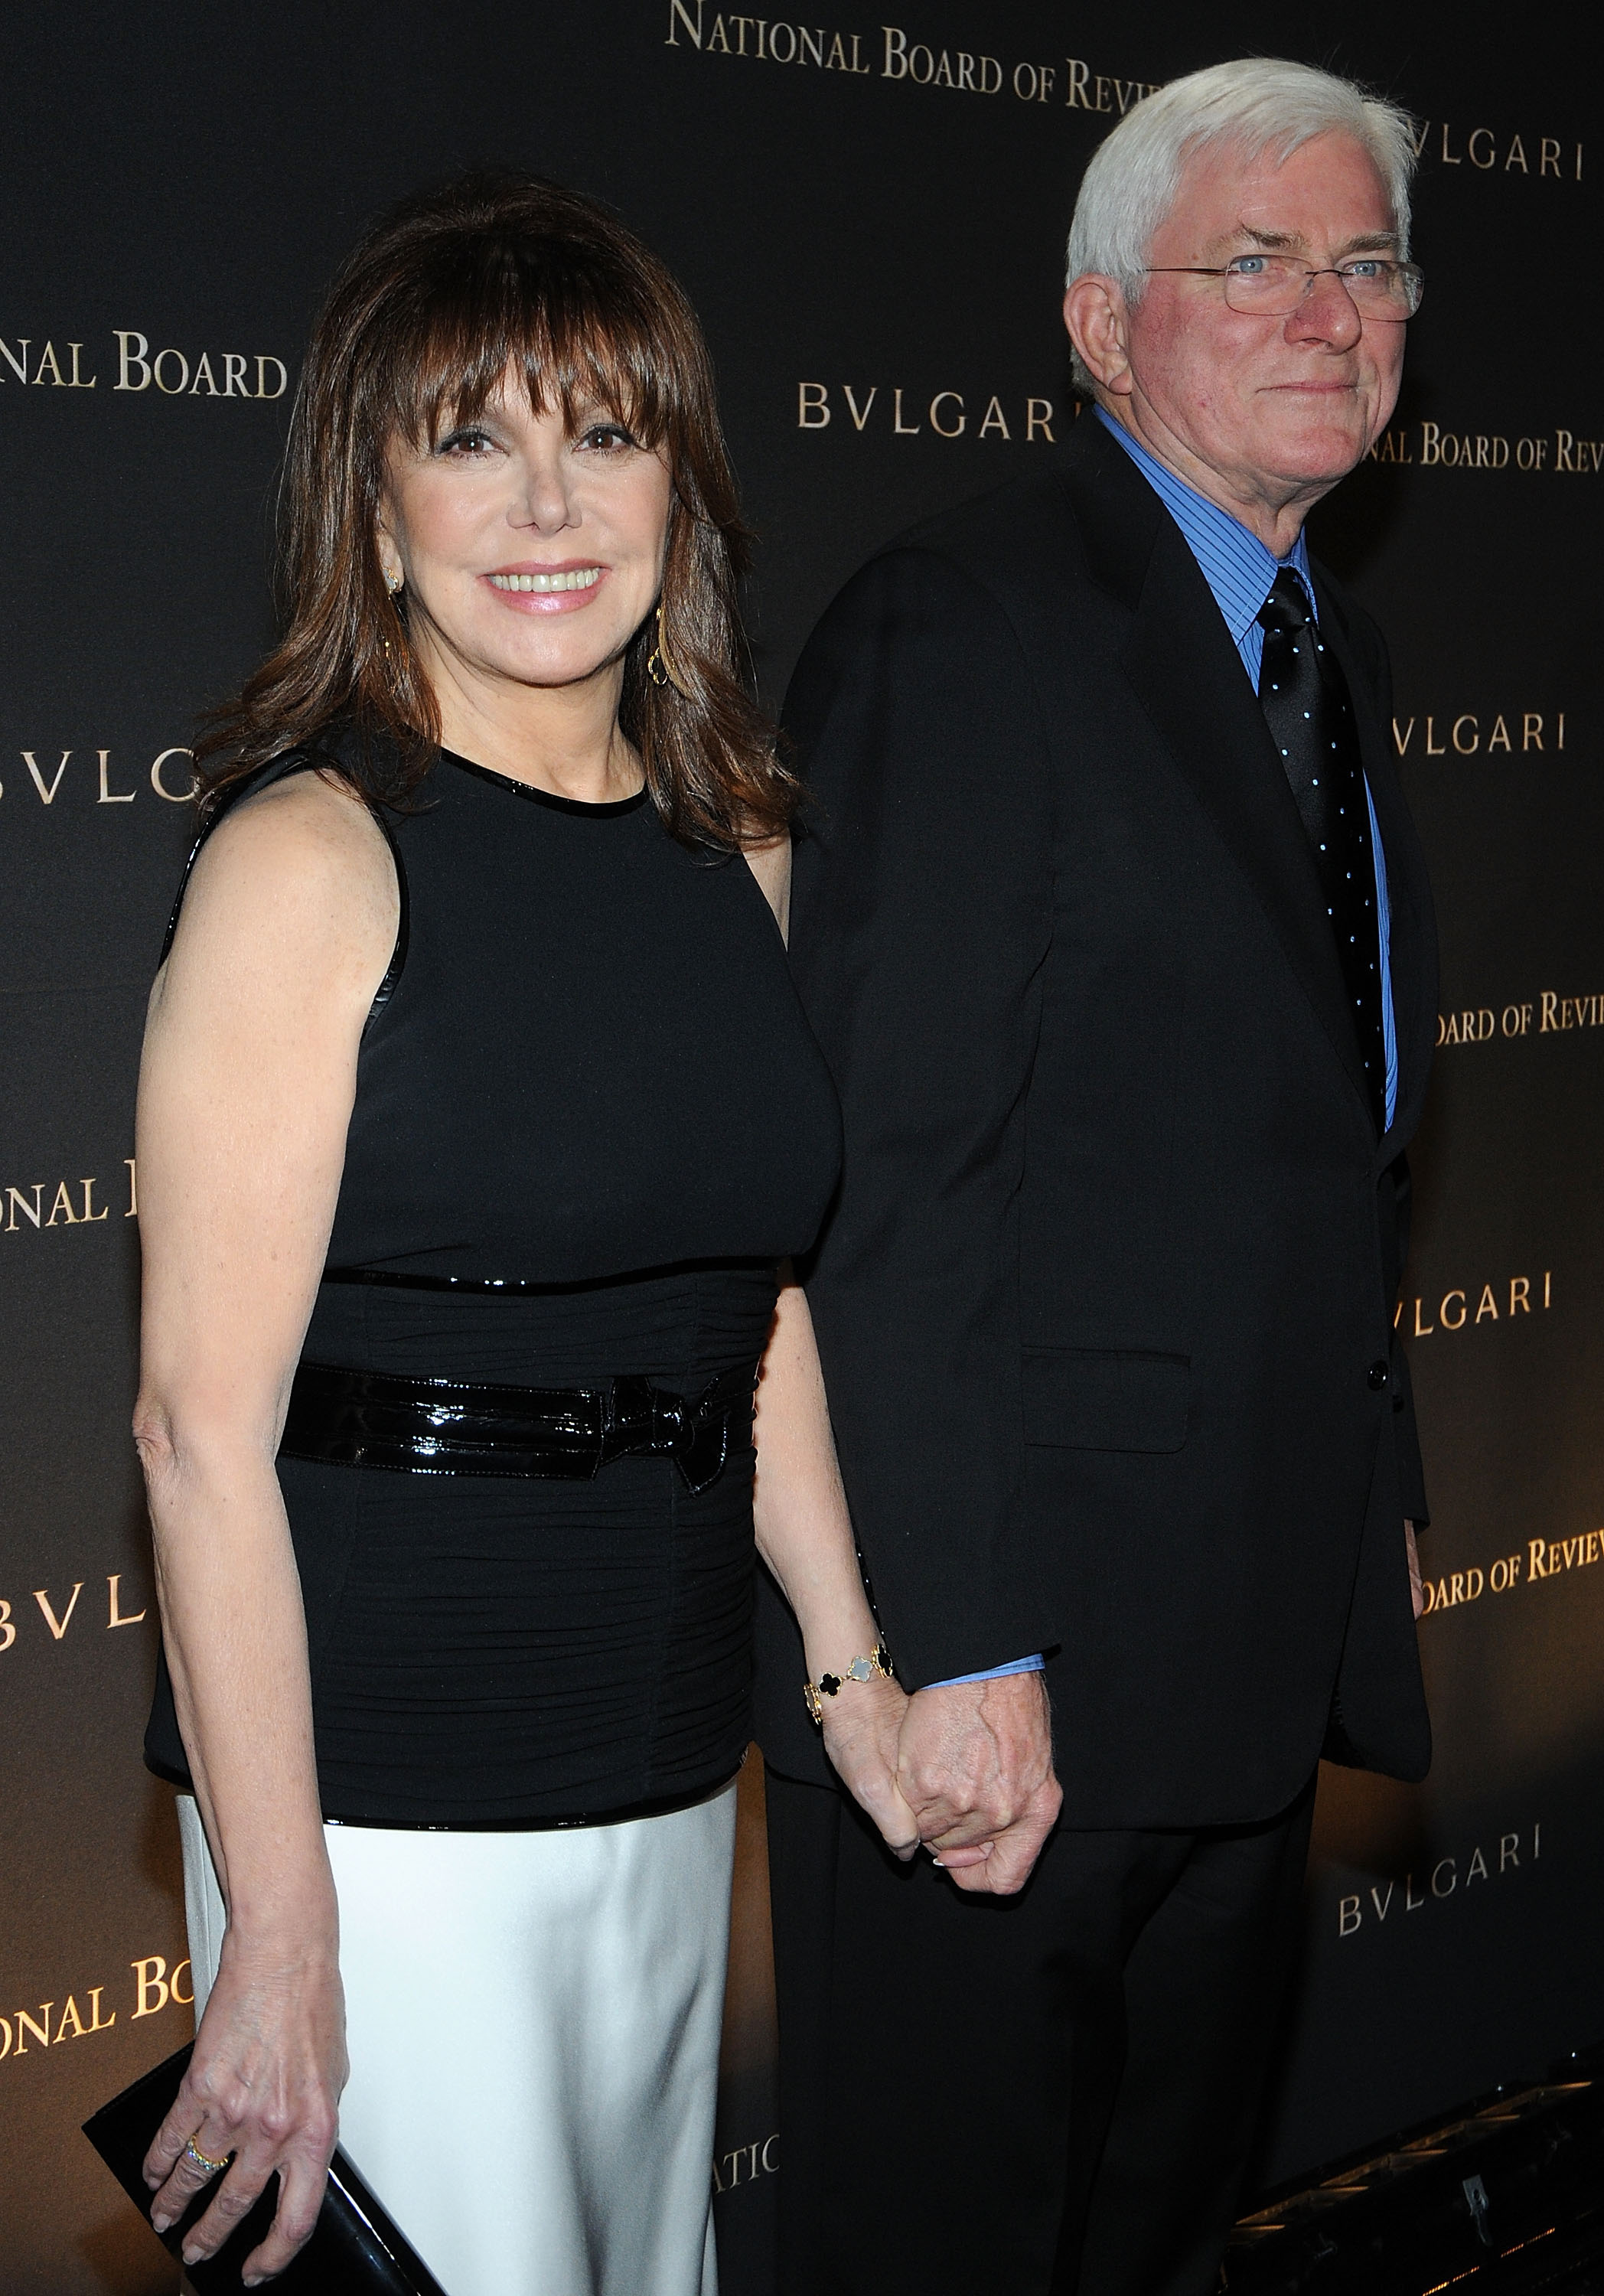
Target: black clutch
354	2250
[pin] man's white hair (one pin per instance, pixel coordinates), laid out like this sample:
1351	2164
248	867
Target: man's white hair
1259	104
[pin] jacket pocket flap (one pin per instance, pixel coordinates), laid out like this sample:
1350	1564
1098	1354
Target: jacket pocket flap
1089	1400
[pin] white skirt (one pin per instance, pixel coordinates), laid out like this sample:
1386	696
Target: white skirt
533	2021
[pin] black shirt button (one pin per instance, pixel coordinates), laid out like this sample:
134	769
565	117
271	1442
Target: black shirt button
1376	1376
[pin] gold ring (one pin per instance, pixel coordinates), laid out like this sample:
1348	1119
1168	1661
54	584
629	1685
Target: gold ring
192	2151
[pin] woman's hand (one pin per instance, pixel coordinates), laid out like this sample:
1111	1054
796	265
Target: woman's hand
264	2086
862	1725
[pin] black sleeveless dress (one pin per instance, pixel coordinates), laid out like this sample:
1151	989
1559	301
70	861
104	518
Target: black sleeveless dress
587	1075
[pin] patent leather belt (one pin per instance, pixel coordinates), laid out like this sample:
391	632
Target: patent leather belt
450	1427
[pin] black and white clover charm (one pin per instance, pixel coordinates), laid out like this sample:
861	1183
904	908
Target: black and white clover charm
861	1670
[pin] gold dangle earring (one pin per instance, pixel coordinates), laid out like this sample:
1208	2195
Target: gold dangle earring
657	668
394	584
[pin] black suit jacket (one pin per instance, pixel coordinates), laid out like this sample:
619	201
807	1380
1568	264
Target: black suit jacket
1106	1299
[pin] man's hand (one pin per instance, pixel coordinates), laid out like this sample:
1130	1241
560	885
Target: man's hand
1417	1594
975	1766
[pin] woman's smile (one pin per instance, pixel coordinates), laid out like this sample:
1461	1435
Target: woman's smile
548	589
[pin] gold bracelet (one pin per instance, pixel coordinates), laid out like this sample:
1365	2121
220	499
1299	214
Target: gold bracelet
861	1670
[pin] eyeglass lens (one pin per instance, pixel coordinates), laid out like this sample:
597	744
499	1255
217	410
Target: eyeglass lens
1276	285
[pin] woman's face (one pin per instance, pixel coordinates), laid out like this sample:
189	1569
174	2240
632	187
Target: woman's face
530	553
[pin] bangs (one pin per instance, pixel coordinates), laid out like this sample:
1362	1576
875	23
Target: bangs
585	333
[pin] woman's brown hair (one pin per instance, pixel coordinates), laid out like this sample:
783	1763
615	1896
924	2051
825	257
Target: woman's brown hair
447	292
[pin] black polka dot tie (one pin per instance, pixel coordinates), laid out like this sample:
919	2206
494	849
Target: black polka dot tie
1305	704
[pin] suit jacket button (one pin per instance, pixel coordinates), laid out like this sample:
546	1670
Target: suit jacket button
1376	1376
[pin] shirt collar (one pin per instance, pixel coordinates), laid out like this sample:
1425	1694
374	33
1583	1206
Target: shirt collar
1237	566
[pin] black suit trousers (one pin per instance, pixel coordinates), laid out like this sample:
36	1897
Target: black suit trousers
1049	2095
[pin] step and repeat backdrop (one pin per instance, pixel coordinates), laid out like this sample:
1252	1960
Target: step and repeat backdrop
870	215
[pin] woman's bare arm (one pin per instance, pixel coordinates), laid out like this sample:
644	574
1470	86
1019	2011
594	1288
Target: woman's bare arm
245	1096
804	1528
804	1535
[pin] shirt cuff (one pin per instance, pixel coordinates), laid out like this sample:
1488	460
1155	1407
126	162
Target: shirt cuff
1032	1665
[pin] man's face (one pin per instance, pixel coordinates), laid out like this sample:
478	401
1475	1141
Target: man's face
1274	407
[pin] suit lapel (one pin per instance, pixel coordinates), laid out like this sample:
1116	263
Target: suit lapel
1180	660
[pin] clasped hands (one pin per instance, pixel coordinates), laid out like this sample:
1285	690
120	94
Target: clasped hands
963	1769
